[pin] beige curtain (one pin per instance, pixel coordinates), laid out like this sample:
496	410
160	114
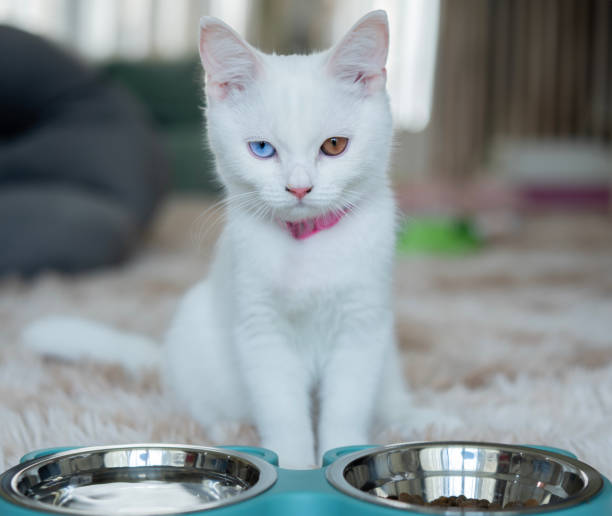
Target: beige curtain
523	69
288	27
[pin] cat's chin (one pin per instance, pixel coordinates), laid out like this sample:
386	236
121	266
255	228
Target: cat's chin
302	212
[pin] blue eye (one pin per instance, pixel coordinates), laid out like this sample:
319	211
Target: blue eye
262	149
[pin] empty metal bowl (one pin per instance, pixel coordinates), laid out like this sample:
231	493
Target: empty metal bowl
137	480
510	478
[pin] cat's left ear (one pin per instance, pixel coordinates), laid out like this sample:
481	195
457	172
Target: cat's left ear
361	55
230	62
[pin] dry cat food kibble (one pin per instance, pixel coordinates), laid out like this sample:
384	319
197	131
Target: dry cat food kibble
463	502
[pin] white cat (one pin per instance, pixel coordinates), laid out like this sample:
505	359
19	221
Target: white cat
298	301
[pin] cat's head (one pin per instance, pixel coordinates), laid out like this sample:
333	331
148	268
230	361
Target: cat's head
307	134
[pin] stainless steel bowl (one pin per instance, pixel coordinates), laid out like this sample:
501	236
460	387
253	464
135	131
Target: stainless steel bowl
137	480
509	476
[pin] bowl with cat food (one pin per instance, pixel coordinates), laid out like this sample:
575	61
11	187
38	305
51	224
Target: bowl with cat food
408	479
139	479
471	477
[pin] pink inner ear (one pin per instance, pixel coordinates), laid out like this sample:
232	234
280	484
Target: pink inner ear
221	90
216	90
361	55
229	62
372	83
375	82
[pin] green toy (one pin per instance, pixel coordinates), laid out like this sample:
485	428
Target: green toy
438	235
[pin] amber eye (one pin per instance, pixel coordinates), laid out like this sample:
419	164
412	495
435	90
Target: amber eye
334	145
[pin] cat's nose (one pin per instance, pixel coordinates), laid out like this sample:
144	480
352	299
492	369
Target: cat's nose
298	192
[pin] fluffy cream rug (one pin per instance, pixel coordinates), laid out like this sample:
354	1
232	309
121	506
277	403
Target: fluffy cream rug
515	341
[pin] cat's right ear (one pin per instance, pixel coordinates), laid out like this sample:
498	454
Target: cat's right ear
230	62
361	55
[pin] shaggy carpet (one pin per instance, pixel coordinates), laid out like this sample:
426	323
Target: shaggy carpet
514	341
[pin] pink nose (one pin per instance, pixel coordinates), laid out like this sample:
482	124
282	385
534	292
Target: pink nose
298	192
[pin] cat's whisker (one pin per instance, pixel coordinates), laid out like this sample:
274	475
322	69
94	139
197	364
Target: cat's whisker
261	211
199	223
269	213
213	221
207	223
213	215
244	203
257	210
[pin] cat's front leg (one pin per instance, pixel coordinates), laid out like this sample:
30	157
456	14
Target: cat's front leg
278	391
351	379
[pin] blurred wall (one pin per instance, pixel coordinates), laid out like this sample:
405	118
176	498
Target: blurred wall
508	73
133	29
520	71
290	27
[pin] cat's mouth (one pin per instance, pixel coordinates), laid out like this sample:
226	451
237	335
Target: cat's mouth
308	227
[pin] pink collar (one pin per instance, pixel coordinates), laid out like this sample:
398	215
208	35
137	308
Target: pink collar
305	228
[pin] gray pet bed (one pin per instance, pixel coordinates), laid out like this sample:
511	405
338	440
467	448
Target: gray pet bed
81	170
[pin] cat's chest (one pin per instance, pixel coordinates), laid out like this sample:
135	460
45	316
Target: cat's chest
309	269
302	273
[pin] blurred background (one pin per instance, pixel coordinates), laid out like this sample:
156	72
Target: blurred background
501	106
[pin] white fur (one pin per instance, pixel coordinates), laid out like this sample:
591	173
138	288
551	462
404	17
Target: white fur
279	320
71	338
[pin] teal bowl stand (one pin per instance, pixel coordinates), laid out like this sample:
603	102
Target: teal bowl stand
308	493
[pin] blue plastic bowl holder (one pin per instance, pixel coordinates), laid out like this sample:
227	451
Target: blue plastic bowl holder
307	492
